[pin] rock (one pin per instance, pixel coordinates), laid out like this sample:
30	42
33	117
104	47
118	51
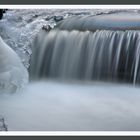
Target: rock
3	126
1	13
46	28
48	18
58	18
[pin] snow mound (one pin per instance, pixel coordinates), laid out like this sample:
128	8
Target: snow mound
13	75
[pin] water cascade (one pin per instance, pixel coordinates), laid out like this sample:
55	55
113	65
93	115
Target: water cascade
103	47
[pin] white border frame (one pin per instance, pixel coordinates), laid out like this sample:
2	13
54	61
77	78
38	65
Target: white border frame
70	133
70	6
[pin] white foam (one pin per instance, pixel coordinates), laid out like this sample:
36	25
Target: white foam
72	106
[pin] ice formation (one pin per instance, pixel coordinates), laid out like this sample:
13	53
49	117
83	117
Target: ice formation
13	75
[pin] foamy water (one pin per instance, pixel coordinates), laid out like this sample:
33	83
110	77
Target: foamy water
52	105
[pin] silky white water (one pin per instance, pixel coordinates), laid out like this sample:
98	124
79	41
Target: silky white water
101	55
55	105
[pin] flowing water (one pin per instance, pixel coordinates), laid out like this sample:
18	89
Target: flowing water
100	55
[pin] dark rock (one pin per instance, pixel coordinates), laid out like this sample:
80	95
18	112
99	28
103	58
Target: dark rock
58	18
46	28
1	13
55	18
35	16
48	18
3	126
4	11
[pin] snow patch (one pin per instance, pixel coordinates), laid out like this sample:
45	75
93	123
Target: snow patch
13	75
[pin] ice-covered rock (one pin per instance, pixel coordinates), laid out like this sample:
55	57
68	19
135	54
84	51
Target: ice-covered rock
13	75
3	126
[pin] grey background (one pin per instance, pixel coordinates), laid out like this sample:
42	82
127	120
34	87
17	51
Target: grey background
70	2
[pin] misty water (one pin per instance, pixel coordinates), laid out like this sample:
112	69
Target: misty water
79	79
55	105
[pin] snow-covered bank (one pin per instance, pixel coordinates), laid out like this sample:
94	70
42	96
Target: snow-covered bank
72	106
13	75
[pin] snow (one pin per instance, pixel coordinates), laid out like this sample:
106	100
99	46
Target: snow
13	75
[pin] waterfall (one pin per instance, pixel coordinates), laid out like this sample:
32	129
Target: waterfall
85	49
100	55
116	21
